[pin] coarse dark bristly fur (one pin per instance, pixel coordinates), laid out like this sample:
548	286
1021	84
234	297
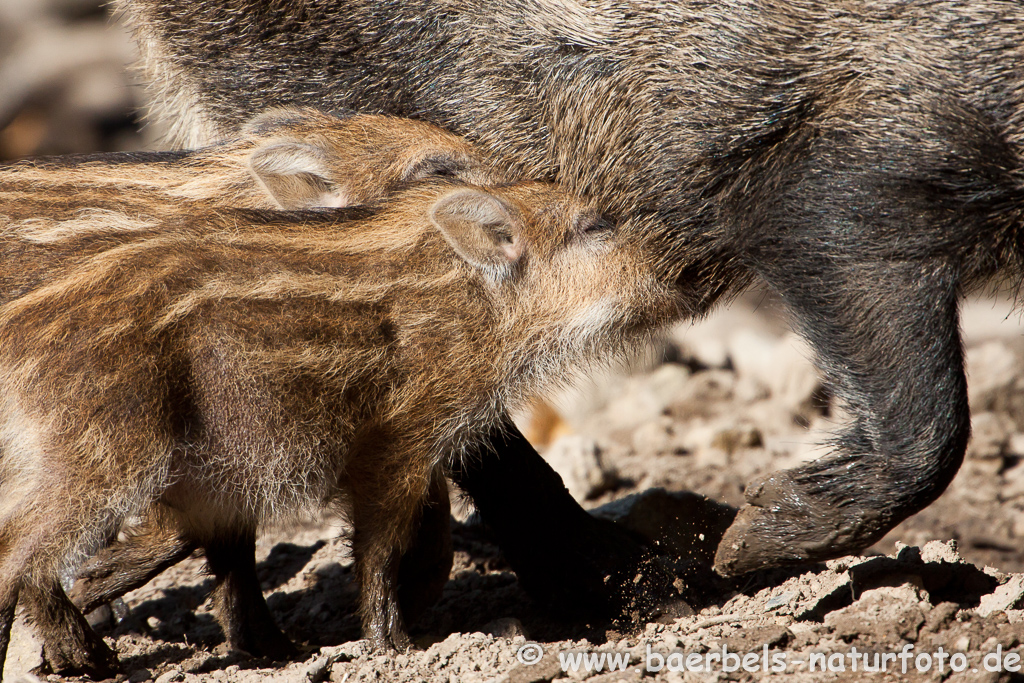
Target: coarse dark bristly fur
861	158
237	366
283	158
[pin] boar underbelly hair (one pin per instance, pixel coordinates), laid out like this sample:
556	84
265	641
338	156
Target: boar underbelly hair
293	476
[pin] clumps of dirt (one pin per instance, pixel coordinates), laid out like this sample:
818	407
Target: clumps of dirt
852	607
484	627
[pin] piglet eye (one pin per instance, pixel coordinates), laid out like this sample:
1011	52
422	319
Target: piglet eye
434	167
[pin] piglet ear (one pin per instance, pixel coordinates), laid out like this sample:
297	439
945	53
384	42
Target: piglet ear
296	174
483	230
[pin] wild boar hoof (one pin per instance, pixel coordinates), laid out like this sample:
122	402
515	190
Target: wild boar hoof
784	525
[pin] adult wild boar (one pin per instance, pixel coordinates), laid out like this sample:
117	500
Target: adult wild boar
861	158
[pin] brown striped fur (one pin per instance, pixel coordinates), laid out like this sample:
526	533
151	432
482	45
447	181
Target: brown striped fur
283	158
239	366
290	158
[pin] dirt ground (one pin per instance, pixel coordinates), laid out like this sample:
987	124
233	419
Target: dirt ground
662	447
726	400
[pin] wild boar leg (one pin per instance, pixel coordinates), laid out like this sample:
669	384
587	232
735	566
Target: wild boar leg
239	604
563	556
154	546
531	529
238	599
70	646
388	493
126	565
44	524
115	570
887	339
427	562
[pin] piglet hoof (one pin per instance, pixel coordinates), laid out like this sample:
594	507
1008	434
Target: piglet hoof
90	657
385	630
391	643
243	614
784	525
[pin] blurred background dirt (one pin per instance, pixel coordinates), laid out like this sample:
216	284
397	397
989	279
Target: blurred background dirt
64	83
713	405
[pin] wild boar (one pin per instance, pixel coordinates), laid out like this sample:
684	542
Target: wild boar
236	366
284	158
